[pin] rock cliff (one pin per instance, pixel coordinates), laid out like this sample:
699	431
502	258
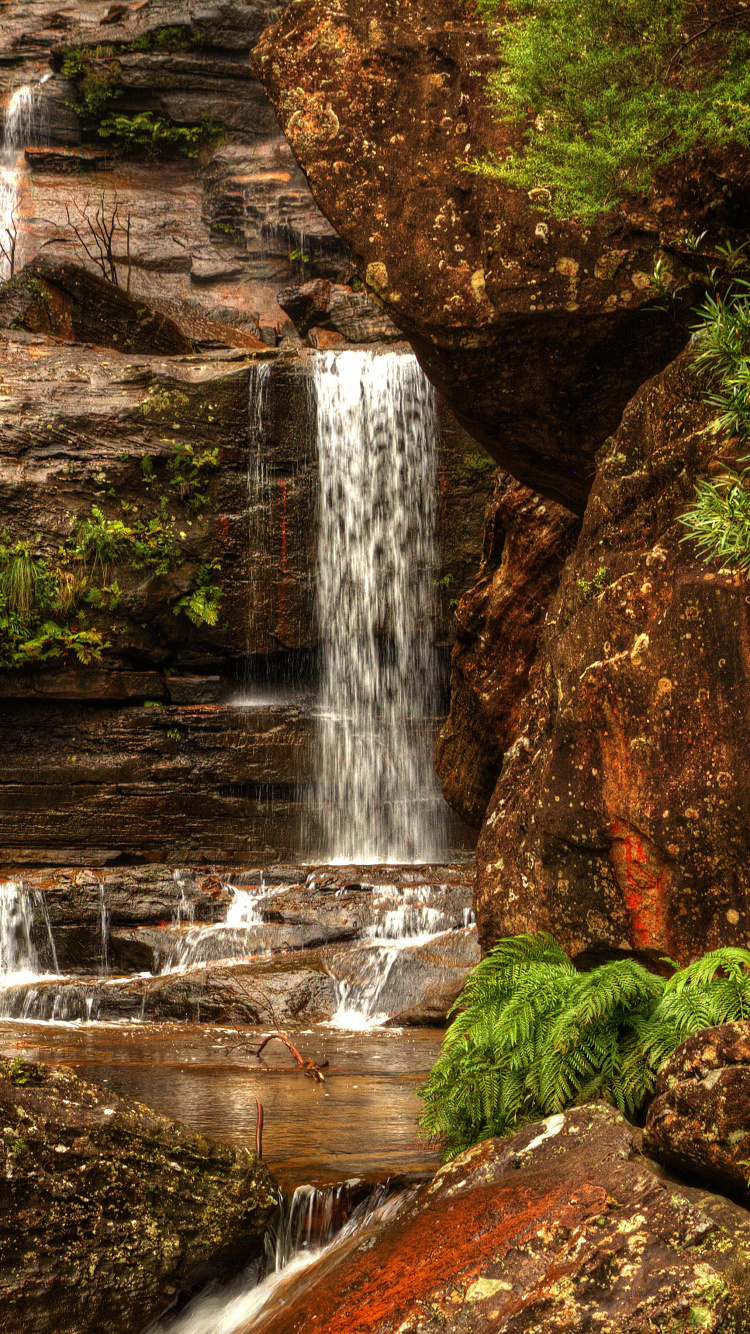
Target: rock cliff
537	331
619	821
619	817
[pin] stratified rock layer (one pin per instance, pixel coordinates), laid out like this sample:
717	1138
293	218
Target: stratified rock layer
535	330
620	817
497	627
109	1209
553	1230
699	1121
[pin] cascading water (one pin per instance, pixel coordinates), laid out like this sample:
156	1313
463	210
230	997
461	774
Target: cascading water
308	1236
238	935
367	1002
23	124
20	914
378	798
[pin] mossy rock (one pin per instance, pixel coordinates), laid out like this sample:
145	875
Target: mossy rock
109	1210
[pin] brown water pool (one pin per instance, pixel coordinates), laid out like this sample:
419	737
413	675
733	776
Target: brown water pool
361	1122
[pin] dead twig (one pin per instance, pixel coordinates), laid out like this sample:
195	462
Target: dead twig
8	242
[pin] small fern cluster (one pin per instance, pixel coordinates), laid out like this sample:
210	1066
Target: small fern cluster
718	520
534	1036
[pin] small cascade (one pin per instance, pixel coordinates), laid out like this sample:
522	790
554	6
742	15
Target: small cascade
24	928
236	937
367	1003
378	798
315	1229
24	124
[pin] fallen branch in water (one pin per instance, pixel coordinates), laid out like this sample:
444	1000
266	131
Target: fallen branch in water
307	1064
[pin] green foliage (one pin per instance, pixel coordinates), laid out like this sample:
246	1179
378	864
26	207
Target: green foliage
591	587
718	520
533	1036
99	542
610	92
476	465
184	470
33	594
202	604
98	79
147	136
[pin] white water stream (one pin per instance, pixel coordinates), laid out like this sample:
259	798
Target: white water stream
305	1240
23	124
23	916
377	795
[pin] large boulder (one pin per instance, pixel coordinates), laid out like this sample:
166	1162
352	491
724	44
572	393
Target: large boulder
619	821
699	1121
562	1228
497	627
110	1210
537	331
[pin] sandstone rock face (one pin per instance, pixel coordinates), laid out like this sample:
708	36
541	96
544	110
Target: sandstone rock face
619	819
114	775
537	332
497	628
555	1229
212	238
109	1210
699	1121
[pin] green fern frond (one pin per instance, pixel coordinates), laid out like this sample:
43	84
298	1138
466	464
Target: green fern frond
533	1036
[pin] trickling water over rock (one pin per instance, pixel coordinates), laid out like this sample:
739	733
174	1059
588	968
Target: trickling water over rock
562	1227
377	563
358	946
22	124
109	1210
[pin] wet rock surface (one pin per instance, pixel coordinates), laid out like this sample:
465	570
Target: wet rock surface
537	331
619	818
110	1210
498	626
699	1120
562	1227
275	945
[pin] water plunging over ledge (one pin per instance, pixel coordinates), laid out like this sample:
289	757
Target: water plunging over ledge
377	795
23	125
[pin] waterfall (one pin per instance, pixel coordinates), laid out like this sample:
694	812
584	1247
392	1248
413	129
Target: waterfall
20	911
378	798
310	1231
24	122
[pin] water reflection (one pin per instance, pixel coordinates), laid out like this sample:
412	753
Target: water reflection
361	1122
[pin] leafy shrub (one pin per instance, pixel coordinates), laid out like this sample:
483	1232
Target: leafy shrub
147	136
534	1036
610	92
184	470
99	542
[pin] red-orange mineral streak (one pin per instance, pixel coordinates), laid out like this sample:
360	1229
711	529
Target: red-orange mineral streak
281	608
421	1260
644	885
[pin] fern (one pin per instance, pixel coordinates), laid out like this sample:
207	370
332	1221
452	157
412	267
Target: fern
533	1036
